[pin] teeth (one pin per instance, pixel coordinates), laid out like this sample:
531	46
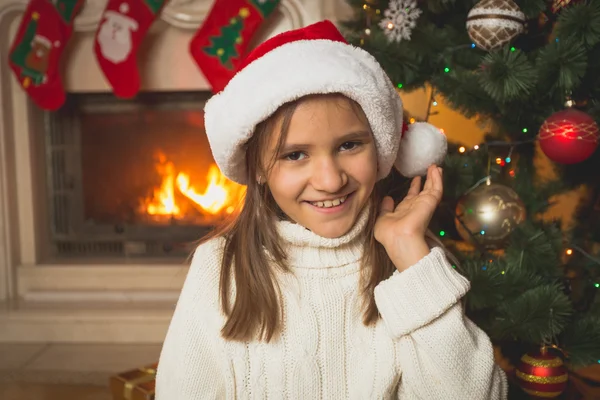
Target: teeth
329	203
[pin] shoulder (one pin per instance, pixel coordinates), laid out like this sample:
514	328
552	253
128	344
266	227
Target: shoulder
208	254
205	268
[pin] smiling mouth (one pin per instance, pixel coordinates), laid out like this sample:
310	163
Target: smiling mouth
329	203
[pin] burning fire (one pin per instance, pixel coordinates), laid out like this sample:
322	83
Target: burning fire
176	192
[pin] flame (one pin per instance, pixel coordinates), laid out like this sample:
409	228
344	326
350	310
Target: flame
219	196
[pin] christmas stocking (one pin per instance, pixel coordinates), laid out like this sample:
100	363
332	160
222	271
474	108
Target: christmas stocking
120	33
41	38
220	44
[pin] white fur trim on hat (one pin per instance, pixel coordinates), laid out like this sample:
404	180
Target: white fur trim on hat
422	145
297	69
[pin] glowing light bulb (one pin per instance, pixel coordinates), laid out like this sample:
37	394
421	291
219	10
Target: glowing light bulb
462	149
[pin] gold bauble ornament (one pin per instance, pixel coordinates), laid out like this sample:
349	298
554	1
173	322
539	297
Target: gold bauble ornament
488	214
493	23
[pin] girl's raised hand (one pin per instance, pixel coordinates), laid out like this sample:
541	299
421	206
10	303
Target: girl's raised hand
402	230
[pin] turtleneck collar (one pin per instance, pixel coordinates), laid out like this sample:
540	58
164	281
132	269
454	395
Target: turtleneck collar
306	249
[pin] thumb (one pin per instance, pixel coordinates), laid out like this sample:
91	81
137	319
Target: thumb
386	206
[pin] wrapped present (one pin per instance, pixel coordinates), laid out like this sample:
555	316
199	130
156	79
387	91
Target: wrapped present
136	384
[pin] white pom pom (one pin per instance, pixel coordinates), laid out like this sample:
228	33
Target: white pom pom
421	146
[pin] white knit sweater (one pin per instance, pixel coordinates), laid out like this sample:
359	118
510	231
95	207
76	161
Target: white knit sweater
422	348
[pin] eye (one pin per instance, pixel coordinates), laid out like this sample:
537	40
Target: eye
349	146
295	156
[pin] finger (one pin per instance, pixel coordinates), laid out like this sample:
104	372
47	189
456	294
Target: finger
431	172
386	206
415	187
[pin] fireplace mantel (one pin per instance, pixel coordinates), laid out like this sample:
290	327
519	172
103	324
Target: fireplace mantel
79	302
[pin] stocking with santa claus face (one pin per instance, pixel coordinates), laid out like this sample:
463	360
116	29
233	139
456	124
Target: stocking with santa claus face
122	28
41	38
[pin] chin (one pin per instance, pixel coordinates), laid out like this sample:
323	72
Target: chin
333	229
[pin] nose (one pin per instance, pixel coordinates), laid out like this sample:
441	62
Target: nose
329	176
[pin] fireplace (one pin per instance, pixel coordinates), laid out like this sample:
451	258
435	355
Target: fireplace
78	261
132	178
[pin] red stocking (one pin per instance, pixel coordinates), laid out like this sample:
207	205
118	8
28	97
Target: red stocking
34	56
120	33
220	44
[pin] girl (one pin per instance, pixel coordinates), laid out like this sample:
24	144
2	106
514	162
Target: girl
319	289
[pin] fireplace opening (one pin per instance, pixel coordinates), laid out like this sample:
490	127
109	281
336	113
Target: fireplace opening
133	178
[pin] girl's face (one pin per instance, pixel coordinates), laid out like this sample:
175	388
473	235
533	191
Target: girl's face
326	168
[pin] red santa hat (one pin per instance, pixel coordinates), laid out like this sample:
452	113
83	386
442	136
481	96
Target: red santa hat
316	60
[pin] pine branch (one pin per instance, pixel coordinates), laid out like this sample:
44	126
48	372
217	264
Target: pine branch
561	65
534	249
580	22
581	341
507	75
536	316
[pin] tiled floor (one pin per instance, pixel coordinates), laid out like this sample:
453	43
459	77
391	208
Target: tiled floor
66	371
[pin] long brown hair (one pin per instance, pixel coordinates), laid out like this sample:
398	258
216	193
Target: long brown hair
253	249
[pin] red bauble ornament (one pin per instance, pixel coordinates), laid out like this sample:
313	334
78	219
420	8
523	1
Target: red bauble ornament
542	375
569	136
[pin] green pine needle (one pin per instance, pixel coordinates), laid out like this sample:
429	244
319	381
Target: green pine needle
581	341
562	64
580	22
507	75
536	316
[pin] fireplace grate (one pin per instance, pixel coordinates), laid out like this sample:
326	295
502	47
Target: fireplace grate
75	234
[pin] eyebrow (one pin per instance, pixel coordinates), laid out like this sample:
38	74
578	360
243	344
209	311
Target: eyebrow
354	135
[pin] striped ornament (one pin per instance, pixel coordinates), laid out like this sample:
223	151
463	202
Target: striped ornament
542	375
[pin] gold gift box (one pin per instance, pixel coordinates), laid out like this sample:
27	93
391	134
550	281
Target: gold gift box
136	384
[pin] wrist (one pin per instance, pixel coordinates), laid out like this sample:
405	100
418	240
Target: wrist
407	251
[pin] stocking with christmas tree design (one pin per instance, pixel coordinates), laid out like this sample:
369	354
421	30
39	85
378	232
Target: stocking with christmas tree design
221	43
34	56
122	28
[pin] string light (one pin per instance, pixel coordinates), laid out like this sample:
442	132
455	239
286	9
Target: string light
412	120
597	284
368	31
503	272
482	232
512	49
365	6
462	149
435	103
525	130
512	173
507	159
443	131
442	233
377	11
472	45
476	147
400	86
390	26
446	70
484	268
569	252
498	160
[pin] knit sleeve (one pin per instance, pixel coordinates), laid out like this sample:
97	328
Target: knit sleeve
442	354
192	363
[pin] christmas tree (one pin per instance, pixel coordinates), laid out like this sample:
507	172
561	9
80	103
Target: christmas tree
527	70
224	46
